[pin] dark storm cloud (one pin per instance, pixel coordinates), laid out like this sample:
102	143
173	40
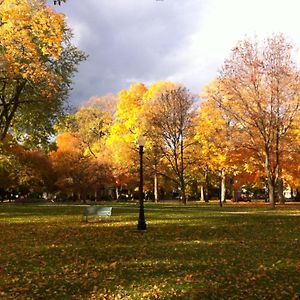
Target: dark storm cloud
180	40
128	41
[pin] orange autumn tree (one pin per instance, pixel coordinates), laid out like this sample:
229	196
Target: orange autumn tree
223	145
37	62
24	170
68	163
9	163
291	163
259	87
78	173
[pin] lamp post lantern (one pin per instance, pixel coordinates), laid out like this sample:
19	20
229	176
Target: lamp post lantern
141	223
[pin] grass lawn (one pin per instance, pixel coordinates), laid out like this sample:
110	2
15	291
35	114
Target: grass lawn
197	251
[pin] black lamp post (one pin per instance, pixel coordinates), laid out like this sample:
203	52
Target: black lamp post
142	223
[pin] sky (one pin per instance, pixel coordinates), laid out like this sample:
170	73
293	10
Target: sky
185	41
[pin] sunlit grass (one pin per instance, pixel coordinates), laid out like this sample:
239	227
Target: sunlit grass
188	252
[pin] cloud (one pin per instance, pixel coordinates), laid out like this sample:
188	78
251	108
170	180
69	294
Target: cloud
181	40
128	39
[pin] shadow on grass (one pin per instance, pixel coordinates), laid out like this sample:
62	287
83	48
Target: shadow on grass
183	255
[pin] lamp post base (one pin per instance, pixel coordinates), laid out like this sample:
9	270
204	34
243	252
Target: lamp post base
142	225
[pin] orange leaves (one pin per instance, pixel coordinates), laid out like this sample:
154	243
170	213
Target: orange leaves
68	142
75	171
258	88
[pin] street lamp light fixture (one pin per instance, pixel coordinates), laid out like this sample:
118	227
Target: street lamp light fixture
141	223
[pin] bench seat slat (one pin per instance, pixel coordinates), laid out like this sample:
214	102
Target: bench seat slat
95	210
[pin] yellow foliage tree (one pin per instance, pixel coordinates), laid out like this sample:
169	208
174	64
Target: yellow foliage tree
36	59
213	138
169	116
127	127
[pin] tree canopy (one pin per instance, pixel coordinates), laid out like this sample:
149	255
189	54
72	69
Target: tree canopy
37	65
244	131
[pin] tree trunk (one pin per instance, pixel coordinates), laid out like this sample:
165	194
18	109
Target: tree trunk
183	191
117	193
9	110
202	196
223	187
230	187
206	186
155	185
271	187
234	195
281	198
292	193
270	177
182	183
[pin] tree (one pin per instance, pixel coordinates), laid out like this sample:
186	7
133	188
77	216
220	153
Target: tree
77	173
127	127
91	126
170	120
291	163
106	103
24	170
215	138
37	64
158	168
259	87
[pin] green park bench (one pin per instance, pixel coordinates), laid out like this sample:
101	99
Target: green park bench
95	210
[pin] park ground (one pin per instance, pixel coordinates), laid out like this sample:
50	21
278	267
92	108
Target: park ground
198	251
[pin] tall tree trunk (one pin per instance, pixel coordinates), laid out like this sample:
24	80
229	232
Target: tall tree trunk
231	188
270	177
182	182
155	186
202	196
234	195
281	198
271	187
223	186
9	109
117	193
206	186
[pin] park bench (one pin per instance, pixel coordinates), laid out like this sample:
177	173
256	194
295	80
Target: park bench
95	210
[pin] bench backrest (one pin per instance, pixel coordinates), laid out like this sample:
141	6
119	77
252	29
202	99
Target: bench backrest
95	210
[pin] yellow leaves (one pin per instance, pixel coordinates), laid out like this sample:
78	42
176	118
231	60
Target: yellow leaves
128	125
158	88
5	18
45	50
30	31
